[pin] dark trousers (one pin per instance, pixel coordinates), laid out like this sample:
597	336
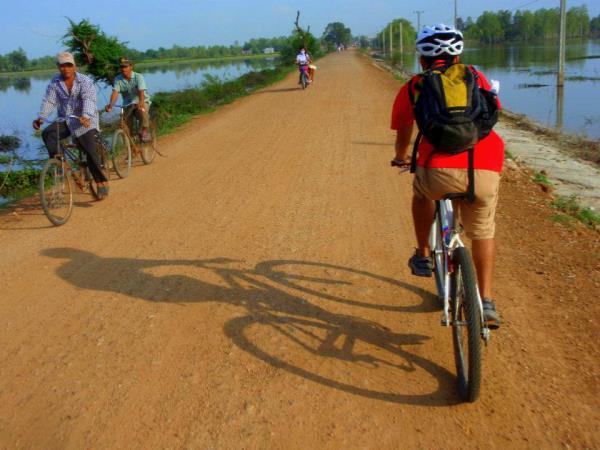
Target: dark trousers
56	131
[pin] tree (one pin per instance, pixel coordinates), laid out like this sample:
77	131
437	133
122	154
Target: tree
94	49
337	33
17	59
595	26
299	38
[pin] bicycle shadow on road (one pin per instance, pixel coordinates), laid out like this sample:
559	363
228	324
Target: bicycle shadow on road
291	308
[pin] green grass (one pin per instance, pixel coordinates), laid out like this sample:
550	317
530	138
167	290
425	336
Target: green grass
541	178
571	207
173	109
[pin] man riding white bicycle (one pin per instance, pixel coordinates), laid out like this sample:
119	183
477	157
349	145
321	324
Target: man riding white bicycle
132	86
439	173
75	97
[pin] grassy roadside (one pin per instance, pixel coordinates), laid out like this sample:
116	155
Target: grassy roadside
173	109
151	62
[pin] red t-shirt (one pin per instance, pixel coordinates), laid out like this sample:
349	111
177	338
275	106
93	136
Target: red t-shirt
488	153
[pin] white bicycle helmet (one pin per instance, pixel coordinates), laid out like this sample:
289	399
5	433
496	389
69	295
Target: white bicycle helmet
439	39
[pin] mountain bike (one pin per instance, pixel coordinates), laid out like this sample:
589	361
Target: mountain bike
456	285
58	174
127	141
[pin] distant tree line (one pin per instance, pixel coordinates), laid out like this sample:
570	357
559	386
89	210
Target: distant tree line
504	26
17	60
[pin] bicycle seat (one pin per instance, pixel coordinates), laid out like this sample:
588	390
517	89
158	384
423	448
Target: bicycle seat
456	196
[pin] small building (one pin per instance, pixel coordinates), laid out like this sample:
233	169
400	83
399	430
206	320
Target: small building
246	52
268	50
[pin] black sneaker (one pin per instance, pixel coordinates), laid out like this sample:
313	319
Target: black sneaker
490	314
421	266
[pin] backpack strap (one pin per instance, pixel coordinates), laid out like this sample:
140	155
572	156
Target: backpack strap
471	175
413	158
411	94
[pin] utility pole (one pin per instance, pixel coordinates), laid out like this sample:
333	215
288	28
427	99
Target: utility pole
391	39
455	14
383	39
418	13
401	43
560	81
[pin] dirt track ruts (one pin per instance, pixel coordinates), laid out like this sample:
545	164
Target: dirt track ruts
250	290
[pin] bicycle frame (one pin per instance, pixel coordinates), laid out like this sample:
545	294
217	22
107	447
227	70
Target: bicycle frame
444	239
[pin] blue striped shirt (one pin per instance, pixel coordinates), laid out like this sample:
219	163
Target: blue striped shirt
80	102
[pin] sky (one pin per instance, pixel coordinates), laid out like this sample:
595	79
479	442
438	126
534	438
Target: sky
37	25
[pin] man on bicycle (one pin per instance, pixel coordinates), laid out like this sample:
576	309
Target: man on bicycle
303	60
73	94
438	173
132	86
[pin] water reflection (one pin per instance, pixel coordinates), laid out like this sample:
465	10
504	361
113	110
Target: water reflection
22	84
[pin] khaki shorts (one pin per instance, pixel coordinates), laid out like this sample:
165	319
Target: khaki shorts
478	218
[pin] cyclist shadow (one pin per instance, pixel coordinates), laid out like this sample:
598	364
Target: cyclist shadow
277	302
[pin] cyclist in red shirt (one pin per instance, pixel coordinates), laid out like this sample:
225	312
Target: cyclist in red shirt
440	173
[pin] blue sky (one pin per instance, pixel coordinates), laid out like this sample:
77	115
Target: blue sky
38	25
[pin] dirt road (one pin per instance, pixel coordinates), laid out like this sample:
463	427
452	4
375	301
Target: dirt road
250	290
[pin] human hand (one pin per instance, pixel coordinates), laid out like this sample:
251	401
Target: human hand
108	108
85	121
37	123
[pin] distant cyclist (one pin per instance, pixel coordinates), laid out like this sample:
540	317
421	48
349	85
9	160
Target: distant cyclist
73	93
303	60
439	173
132	86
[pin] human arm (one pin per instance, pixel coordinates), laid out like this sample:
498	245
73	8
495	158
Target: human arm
49	104
403	123
141	86
89	102
403	138
113	100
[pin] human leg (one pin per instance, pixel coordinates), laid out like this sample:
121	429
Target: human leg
52	135
88	143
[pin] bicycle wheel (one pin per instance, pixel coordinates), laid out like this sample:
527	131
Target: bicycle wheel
437	248
466	325
56	193
121	153
304	80
103	155
149	148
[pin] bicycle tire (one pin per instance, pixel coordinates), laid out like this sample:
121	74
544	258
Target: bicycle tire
103	155
120	153
56	192
304	82
438	254
466	325
148	151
